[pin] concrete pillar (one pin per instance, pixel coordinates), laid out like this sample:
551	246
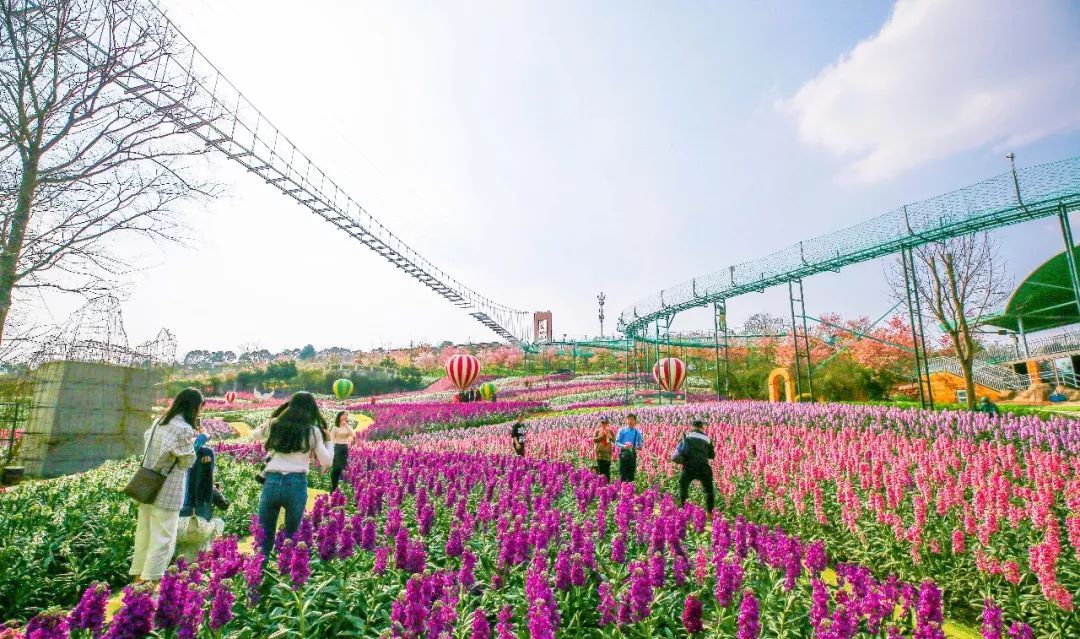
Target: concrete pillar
84	414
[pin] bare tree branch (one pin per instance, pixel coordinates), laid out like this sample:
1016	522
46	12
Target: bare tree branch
86	162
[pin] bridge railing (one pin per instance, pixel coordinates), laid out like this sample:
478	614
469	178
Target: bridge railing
1044	190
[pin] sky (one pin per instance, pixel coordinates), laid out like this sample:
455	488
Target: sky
544	152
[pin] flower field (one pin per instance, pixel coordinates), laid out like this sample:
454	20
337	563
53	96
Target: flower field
833	521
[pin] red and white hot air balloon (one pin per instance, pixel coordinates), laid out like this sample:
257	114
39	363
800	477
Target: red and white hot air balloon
670	373
462	370
230	397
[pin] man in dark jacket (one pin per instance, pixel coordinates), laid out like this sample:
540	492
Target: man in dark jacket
517	435
697	451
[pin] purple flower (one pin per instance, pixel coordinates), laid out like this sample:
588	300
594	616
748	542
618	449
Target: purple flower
816	559
729	579
562	570
618	549
410	610
253	575
819	604
657	565
1020	631
417	557
299	565
367	535
467	575
454	545
401	549
347	541
306	533
89	614
481	627
607	606
51	624
749	624
929	613
135	617
845	624
221	604
170	601
680	566
505	628
193	613
258	535
577	571
382	557
692	613
993	623
641	594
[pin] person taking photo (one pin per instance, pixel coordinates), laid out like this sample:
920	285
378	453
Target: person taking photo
695	451
292	437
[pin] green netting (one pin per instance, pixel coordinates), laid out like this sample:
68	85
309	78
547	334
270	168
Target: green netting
1045	189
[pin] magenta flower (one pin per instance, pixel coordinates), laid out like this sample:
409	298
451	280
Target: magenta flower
993	623
89	613
692	615
607	607
749	624
135	619
51	624
170	601
221	603
505	628
481	627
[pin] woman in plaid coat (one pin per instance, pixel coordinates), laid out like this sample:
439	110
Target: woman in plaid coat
170	449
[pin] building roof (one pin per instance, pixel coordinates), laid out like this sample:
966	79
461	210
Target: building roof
1044	300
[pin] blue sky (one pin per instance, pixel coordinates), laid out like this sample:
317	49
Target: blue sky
543	152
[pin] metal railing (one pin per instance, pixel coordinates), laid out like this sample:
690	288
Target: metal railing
1001	378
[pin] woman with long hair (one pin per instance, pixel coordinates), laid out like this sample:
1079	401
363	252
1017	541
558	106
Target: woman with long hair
342	436
295	432
170	450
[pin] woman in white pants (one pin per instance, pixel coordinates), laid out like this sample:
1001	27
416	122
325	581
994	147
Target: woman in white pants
170	449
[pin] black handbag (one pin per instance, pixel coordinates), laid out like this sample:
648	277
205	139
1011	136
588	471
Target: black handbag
145	485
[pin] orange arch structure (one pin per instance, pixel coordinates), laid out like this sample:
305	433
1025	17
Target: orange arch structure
781	388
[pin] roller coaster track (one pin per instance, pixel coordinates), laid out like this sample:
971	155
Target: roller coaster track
195	95
1010	198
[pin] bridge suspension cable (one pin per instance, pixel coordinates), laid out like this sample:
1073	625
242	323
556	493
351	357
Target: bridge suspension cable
199	99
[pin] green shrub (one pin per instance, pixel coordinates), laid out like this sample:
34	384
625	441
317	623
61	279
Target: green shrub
58	536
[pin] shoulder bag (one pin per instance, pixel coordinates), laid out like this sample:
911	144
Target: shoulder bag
145	485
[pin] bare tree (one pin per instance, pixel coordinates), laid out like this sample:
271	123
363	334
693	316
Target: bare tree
960	282
87	159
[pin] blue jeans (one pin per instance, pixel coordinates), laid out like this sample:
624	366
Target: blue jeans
281	490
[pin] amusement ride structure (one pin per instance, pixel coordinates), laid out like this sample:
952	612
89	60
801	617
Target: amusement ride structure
1013	197
200	100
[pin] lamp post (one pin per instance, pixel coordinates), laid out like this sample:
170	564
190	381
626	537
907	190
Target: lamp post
600	298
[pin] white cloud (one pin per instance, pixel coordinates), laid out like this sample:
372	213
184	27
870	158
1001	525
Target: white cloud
942	77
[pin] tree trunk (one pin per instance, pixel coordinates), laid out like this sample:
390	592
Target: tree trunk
967	366
15	236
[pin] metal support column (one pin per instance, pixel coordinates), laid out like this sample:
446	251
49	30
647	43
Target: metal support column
659	391
721	339
1070	259
1023	335
667	338
802	346
918	334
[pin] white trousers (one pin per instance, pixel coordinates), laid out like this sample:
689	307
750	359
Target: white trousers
155	541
